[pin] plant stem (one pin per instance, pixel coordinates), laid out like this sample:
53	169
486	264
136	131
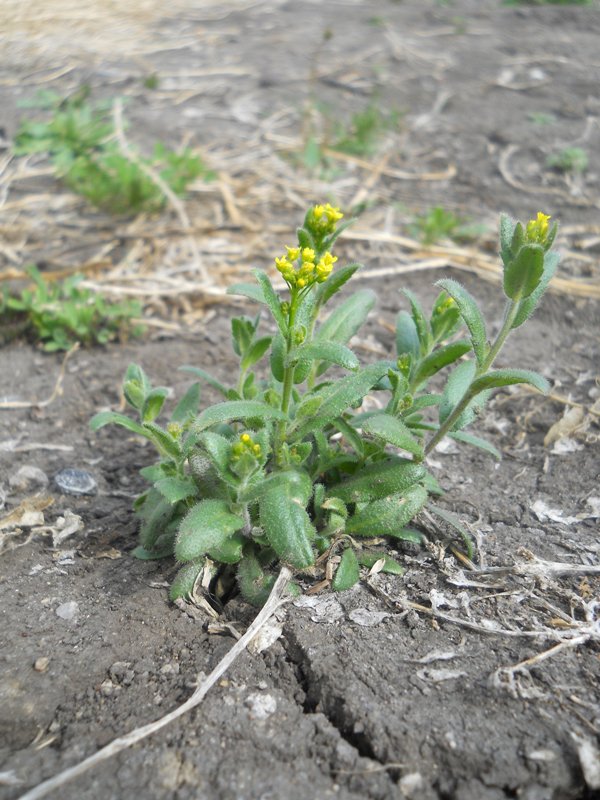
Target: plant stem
448	424
288	374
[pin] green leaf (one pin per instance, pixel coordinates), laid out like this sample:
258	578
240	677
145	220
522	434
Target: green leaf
452	520
388	516
332	352
294	483
457	384
347	318
236	409
249	290
142	554
334	282
278	351
256	352
229	551
420	321
347	573
207	377
135	373
271	299
351	435
440	358
255	584
187	407
523	273
153	403
206	526
338	397
156	514
391	566
507	377
407	337
469	311
112	418
475	441
507	230
176	489
393	431
287	525
529	304
163	441
378	480
218	449
183	583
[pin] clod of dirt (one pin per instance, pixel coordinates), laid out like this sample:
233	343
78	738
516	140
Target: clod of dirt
68	611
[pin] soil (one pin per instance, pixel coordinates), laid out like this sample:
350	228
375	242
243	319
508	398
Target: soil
360	697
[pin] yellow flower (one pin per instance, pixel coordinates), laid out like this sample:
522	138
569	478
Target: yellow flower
307	269
318	212
333	214
301	283
246	438
537	229
308	254
283	265
292	252
256	449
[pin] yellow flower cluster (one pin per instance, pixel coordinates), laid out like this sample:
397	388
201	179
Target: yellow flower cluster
245	445
537	229
308	272
325	218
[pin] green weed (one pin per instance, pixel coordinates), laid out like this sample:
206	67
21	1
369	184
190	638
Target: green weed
62	313
80	139
289	469
438	223
571	159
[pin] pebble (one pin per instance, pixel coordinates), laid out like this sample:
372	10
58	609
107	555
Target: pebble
41	664
68	610
75	481
261	706
27	478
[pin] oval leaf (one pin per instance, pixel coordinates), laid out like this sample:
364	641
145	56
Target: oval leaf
469	311
236	409
439	359
522	274
347	573
507	377
347	318
206	526
393	431
287	525
387	517
379	480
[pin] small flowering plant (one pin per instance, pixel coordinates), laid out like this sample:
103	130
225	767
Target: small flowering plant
291	467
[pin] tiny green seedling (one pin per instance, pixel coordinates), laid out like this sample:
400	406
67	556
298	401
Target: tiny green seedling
571	159
80	139
62	313
439	223
290	467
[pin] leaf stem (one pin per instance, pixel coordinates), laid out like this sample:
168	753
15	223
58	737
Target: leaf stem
509	317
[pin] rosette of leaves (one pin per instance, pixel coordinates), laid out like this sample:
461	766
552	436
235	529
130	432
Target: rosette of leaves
287	467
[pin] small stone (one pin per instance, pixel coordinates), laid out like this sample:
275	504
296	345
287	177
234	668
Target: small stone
121	672
41	664
170	668
68	611
28	478
411	784
75	481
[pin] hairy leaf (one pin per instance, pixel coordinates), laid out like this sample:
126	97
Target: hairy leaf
176	489
187	407
469	311
332	352
440	358
112	417
236	409
475	441
507	377
523	273
347	573
370	558
378	480
529	304
388	516
287	524
335	282
206	526
407	336
271	299
183	583
347	318
393	431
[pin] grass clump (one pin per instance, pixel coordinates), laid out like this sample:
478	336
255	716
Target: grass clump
80	139
62	313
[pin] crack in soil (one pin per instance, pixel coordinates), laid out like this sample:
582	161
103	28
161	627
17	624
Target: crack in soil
333	709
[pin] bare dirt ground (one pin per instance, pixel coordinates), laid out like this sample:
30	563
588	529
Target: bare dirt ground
489	688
